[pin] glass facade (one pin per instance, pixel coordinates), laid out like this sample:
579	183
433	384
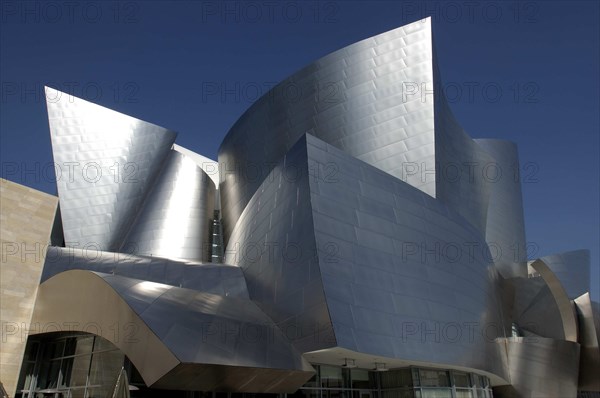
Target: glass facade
337	382
69	365
87	366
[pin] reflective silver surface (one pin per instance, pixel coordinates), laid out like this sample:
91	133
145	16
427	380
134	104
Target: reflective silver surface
589	338
105	163
168	330
176	216
359	219
371	99
572	269
505	224
540	367
221	279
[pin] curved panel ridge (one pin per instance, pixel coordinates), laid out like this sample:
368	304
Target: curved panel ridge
72	298
106	163
462	180
400	269
221	279
540	367
274	243
572	268
565	307
175	327
589	333
209	166
505	225
175	219
371	99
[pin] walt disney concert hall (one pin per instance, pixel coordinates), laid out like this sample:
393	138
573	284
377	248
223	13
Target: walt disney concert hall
350	241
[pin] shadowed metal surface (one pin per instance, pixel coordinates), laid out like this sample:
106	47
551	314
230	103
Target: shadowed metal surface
461	181
106	163
505	225
395	265
535	309
177	213
221	279
176	328
540	367
406	270
565	307
369	99
589	333
274	244
360	221
572	269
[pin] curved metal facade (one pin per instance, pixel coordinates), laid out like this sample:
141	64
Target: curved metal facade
360	224
105	163
505	226
172	331
370	99
176	216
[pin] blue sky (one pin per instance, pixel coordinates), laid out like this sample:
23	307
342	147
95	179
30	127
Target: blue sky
522	71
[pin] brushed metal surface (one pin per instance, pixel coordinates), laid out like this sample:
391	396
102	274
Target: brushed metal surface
589	333
572	269
540	367
371	99
361	224
105	163
505	224
220	279
565	307
176	216
176	327
358	218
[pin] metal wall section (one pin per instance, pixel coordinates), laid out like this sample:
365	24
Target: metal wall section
404	276
209	166
106	163
589	365
274	243
175	219
401	273
371	99
572	270
26	219
540	367
505	225
221	279
565	306
535	310
461	164
163	328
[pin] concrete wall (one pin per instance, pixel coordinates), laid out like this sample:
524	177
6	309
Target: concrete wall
26	219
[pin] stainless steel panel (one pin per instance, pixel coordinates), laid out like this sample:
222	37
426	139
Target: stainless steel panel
176	330
589	333
103	158
341	98
540	367
572	268
175	219
505	224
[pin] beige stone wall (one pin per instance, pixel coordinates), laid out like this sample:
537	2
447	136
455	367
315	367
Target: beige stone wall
26	218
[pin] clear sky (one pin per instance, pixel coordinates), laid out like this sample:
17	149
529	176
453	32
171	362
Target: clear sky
523	71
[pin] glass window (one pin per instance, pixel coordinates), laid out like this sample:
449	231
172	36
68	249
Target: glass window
396	378
461	379
79	369
436	392
331	377
363	379
434	378
463	393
